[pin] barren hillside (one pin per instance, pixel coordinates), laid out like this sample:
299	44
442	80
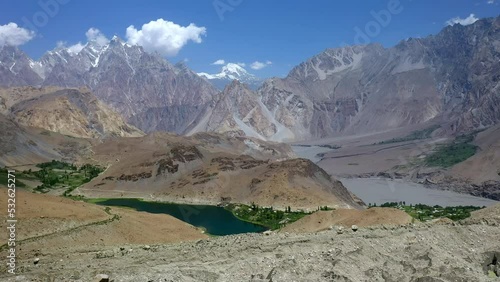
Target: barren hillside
210	168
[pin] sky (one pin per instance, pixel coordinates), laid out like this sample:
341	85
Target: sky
268	37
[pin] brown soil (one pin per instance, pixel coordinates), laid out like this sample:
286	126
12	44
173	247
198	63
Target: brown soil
49	224
485	165
362	218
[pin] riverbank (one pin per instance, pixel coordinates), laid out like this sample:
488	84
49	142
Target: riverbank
488	190
383	190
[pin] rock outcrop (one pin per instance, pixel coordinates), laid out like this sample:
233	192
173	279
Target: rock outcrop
73	112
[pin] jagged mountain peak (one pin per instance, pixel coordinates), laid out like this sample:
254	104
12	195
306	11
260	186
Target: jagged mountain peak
236	84
143	87
181	66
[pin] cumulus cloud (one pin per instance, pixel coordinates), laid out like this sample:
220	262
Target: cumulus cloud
241	64
219	62
165	37
259	65
94	34
13	35
466	21
491	2
75	49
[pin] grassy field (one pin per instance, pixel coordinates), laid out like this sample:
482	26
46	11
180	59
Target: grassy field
451	154
426	213
415	135
268	217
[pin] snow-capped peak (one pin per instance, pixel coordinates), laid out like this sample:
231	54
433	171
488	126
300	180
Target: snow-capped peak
230	72
235	70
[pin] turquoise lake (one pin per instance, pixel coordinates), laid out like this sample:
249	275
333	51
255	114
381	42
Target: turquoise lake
215	220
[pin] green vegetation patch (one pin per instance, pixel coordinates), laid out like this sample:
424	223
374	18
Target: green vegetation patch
265	216
415	135
451	154
426	213
57	175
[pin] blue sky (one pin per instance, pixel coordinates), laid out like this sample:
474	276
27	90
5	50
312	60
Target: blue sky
245	31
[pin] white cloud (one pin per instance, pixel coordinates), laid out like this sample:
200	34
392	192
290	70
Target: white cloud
61	44
11	34
491	2
219	62
466	21
241	64
165	37
259	65
75	49
93	34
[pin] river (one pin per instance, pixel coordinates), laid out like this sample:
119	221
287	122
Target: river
379	191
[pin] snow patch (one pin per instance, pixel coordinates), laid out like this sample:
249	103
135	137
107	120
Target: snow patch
322	74
98	58
12	67
407	65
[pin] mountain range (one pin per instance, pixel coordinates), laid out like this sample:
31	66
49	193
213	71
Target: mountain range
143	87
451	78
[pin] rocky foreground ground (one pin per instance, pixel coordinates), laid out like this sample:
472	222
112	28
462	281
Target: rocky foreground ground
422	252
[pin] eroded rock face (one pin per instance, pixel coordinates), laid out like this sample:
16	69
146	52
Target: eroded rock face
73	112
237	111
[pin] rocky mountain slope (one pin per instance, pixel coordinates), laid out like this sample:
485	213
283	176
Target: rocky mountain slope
16	68
209	169
450	78
144	88
20	145
231	72
238	111
73	112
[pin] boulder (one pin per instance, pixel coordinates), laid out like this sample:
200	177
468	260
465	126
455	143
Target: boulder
340	230
101	278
